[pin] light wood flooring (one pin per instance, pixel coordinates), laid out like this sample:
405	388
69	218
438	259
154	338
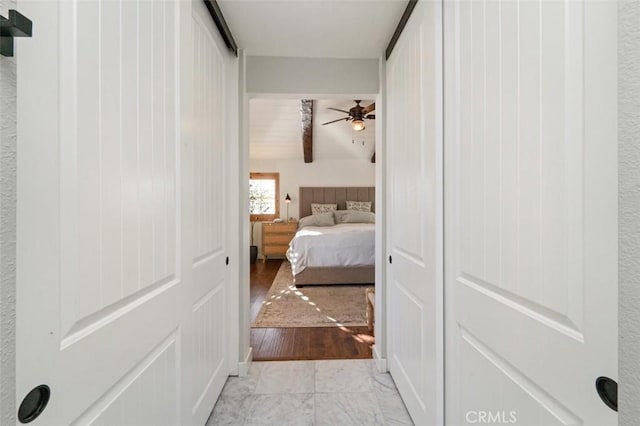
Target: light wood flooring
301	343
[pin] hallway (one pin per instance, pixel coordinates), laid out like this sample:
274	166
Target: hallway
335	392
505	236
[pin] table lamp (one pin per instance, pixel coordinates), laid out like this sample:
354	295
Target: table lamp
287	200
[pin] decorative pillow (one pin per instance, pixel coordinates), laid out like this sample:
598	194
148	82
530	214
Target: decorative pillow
353	216
317	208
322	219
361	206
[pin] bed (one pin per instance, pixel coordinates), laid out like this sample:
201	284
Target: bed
340	254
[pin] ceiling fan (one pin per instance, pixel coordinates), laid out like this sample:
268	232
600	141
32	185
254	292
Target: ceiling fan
357	114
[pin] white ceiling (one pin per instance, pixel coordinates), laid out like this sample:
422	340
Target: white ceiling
276	131
313	28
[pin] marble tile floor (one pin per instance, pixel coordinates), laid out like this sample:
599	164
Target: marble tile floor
336	392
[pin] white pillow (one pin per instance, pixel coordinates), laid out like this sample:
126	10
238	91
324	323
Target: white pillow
353	216
322	219
317	208
361	206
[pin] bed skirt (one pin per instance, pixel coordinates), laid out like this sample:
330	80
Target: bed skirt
336	275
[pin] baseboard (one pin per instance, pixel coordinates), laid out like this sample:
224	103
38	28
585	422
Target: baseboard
245	366
381	363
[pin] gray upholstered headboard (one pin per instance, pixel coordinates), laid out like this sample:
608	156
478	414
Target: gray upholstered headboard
335	195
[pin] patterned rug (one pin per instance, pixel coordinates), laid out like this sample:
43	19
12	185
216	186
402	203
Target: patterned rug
315	306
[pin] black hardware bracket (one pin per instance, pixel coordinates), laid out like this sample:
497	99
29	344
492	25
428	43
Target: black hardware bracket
221	24
17	25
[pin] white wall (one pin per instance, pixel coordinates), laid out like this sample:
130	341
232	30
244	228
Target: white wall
7	231
629	208
317	76
294	173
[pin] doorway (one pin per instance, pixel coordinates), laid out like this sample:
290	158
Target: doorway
340	158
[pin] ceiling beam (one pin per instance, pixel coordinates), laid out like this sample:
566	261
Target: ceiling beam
306	114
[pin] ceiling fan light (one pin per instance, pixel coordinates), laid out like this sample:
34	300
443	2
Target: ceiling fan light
357	125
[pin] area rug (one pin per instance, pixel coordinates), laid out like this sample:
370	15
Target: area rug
317	306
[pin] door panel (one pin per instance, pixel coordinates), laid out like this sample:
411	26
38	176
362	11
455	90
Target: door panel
121	275
115	199
209	294
123	404
97	212
531	209
414	140
513	389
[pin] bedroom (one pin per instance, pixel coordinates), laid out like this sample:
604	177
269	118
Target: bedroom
339	157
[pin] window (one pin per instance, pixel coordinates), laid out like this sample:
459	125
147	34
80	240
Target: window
263	196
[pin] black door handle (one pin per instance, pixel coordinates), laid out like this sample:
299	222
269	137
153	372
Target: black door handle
34	404
608	391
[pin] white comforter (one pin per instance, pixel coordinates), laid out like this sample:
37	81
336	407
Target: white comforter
347	244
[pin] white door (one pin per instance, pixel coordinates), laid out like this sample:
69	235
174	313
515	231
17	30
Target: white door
414	281
531	211
118	294
205	188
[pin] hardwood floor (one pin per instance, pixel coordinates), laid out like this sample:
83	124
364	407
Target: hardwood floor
301	343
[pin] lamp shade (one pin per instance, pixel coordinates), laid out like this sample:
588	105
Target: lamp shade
287	198
357	124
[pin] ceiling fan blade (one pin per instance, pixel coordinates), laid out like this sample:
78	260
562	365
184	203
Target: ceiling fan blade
340	110
371	116
339	119
369	108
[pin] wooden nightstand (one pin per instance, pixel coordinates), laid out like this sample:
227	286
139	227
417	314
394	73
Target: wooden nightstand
276	237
